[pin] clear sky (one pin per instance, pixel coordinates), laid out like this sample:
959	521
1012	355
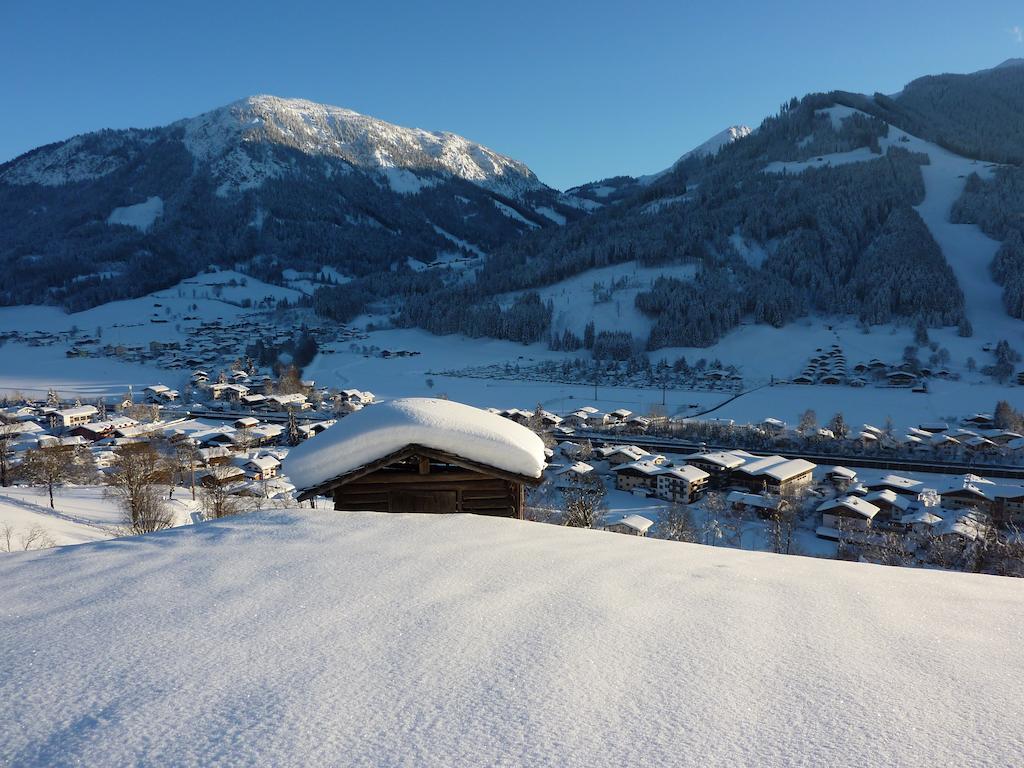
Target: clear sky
577	90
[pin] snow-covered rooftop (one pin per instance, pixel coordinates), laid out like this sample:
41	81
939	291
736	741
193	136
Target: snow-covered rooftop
434	640
373	433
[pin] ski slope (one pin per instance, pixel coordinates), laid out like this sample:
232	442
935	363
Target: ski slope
968	250
316	638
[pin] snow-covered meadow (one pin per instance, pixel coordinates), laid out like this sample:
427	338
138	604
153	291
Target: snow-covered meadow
304	637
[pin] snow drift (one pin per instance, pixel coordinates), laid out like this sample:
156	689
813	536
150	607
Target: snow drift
322	638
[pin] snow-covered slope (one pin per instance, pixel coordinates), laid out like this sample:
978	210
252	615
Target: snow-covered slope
968	250
319	638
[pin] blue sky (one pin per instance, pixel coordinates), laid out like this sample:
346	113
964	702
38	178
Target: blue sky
577	90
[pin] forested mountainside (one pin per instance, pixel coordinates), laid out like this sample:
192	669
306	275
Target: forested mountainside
813	212
770	246
270	183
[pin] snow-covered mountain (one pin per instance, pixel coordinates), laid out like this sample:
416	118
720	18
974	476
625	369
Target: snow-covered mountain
293	183
219	137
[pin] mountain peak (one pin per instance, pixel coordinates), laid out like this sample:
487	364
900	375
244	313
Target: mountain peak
367	143
709	147
1018	62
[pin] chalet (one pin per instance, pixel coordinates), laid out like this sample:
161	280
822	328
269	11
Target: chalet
358	396
421	455
639	423
841	477
577	473
570	450
160	393
719	465
261	467
215	455
98	430
773	426
763	506
1005	503
246	422
216	436
637	476
900	379
890	504
617	455
1001	436
518	415
683	485
576	419
933	427
897	484
775	474
315	428
620	415
17	413
632	525
73	417
847	513
231	392
222	475
980	420
920	522
296	401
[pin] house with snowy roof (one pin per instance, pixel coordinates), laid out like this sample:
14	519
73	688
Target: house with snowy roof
683	485
73	417
764	506
718	464
420	455
1005	503
632	525
261	467
776	474
847	513
637	476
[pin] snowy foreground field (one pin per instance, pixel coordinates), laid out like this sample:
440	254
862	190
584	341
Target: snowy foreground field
310	637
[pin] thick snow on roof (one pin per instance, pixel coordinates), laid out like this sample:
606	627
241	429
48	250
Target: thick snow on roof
375	432
854	504
432	640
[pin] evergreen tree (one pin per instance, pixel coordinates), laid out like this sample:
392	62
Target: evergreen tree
294	437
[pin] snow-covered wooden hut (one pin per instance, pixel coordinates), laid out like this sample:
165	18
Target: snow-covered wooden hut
420	455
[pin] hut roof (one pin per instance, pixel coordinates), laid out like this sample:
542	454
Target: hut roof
382	430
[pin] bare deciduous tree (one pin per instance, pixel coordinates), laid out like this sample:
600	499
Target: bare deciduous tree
134	480
582	505
217	501
35	537
8	432
677	524
47	466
